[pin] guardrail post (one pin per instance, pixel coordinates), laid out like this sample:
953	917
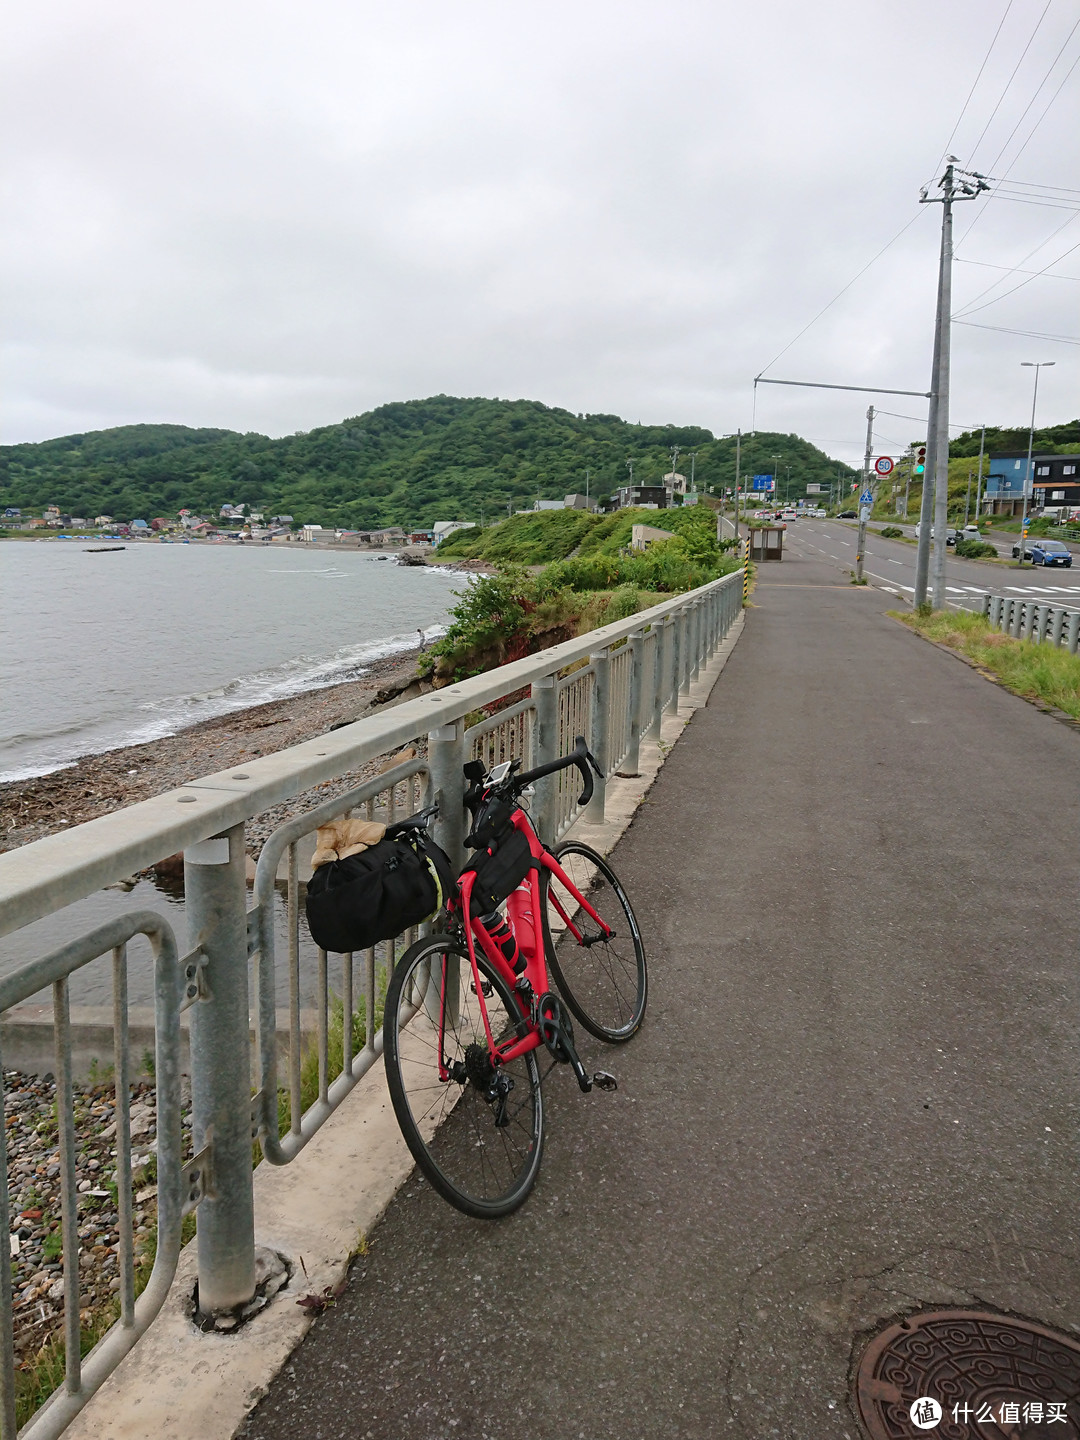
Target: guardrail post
1061	615
1017	618
986	605
215	901
637	702
686	660
673	634
996	605
1031	617
696	630
446	756
1074	631
545	695
1046	613
656	685
598	740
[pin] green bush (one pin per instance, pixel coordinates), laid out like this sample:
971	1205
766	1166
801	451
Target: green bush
975	549
892	532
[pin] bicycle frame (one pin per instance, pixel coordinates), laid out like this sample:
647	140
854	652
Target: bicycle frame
536	972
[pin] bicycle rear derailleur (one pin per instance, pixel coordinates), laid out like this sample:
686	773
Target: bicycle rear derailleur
494	1084
557	1033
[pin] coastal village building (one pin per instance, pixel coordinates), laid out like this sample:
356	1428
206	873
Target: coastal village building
442	528
642	536
1054	481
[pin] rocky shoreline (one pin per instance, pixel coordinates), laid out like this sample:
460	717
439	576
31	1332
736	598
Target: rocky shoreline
37	1272
98	784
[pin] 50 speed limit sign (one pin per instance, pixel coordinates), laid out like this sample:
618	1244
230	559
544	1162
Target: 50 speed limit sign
883	465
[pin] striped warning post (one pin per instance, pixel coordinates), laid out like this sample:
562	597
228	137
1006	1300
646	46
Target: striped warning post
746	571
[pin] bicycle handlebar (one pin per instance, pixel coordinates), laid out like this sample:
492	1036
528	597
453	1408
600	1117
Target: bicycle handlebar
579	756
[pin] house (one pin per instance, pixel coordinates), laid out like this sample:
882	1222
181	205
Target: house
1054	480
231	512
420	537
139	527
12	513
311	533
548	505
578	502
642	536
102	522
442	528
189	521
51	512
674	483
648	497
160	524
204	528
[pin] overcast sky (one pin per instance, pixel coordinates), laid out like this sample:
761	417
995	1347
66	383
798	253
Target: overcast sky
269	216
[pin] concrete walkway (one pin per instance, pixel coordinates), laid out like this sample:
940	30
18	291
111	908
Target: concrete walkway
855	1092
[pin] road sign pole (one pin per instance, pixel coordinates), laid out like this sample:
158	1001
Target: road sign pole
864	510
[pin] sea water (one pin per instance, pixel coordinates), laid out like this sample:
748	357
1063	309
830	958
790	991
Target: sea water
118	648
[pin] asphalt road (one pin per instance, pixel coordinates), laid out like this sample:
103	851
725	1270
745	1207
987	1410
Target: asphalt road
890	564
854	1095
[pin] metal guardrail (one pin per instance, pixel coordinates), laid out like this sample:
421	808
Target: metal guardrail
1036	620
613	685
179	1188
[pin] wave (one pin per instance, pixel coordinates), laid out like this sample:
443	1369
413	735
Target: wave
176	713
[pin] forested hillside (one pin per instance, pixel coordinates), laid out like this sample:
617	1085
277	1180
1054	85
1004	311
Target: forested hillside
410	463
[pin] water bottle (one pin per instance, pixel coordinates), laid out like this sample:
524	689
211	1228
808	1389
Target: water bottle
501	933
519	908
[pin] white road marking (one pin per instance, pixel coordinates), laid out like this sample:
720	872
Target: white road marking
894	562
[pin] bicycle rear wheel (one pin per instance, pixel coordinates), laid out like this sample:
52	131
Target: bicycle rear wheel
604	982
481	1153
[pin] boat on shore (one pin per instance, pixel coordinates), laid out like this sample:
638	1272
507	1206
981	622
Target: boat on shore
102	549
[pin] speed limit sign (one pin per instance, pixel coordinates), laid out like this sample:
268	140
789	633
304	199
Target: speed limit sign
883	464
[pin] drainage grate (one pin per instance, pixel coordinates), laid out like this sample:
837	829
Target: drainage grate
992	1377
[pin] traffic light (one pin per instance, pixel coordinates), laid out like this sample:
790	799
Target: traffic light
920	460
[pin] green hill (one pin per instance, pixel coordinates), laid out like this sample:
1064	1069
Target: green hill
408	463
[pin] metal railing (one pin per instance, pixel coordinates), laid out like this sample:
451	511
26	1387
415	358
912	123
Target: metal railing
1037	620
613	685
179	1187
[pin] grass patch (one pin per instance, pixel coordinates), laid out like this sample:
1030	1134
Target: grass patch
1037	672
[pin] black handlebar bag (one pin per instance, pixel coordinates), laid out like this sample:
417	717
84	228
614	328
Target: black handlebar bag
500	868
355	903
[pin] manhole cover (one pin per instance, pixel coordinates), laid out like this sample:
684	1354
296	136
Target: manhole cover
991	1376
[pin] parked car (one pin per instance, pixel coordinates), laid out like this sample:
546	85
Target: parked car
950	533
1050	552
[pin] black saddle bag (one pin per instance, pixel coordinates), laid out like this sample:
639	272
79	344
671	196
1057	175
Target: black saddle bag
355	903
499	868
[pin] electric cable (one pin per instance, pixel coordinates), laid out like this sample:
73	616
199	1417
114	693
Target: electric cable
838	296
1032	334
1038	88
1014	269
971	309
994	284
1008	83
978	77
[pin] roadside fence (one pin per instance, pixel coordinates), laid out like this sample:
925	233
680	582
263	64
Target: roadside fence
614	686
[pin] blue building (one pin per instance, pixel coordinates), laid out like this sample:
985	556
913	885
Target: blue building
1055	480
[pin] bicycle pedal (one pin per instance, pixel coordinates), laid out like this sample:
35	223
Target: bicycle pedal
603	1081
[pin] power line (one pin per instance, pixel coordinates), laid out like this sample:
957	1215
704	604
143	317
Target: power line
994	285
978	77
1014	270
1008	84
1034	97
841	293
1027	142
971	309
1034	334
1029	184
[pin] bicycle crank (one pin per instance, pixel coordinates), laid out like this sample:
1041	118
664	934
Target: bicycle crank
557	1033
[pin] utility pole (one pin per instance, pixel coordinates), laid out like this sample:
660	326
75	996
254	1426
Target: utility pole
775	481
967	502
864	510
907	482
693	462
978	488
586	489
738	469
936	473
1035	365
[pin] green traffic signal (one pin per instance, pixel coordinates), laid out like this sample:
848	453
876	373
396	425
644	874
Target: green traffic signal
919	469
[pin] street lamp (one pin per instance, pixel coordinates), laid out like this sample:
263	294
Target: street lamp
1035	365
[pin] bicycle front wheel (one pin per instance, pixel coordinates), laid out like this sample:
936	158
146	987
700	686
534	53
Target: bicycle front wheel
603	978
477	1138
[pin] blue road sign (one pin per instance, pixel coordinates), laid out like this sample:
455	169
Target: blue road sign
866	498
764	482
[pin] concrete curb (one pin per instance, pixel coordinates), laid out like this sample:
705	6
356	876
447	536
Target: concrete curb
178	1382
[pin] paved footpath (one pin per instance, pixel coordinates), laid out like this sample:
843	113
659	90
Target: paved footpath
855	1092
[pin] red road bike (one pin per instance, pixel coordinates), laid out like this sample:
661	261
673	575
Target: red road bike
470	1010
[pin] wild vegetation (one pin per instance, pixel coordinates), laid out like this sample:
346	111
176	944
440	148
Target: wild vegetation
1038	672
516	611
408	463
